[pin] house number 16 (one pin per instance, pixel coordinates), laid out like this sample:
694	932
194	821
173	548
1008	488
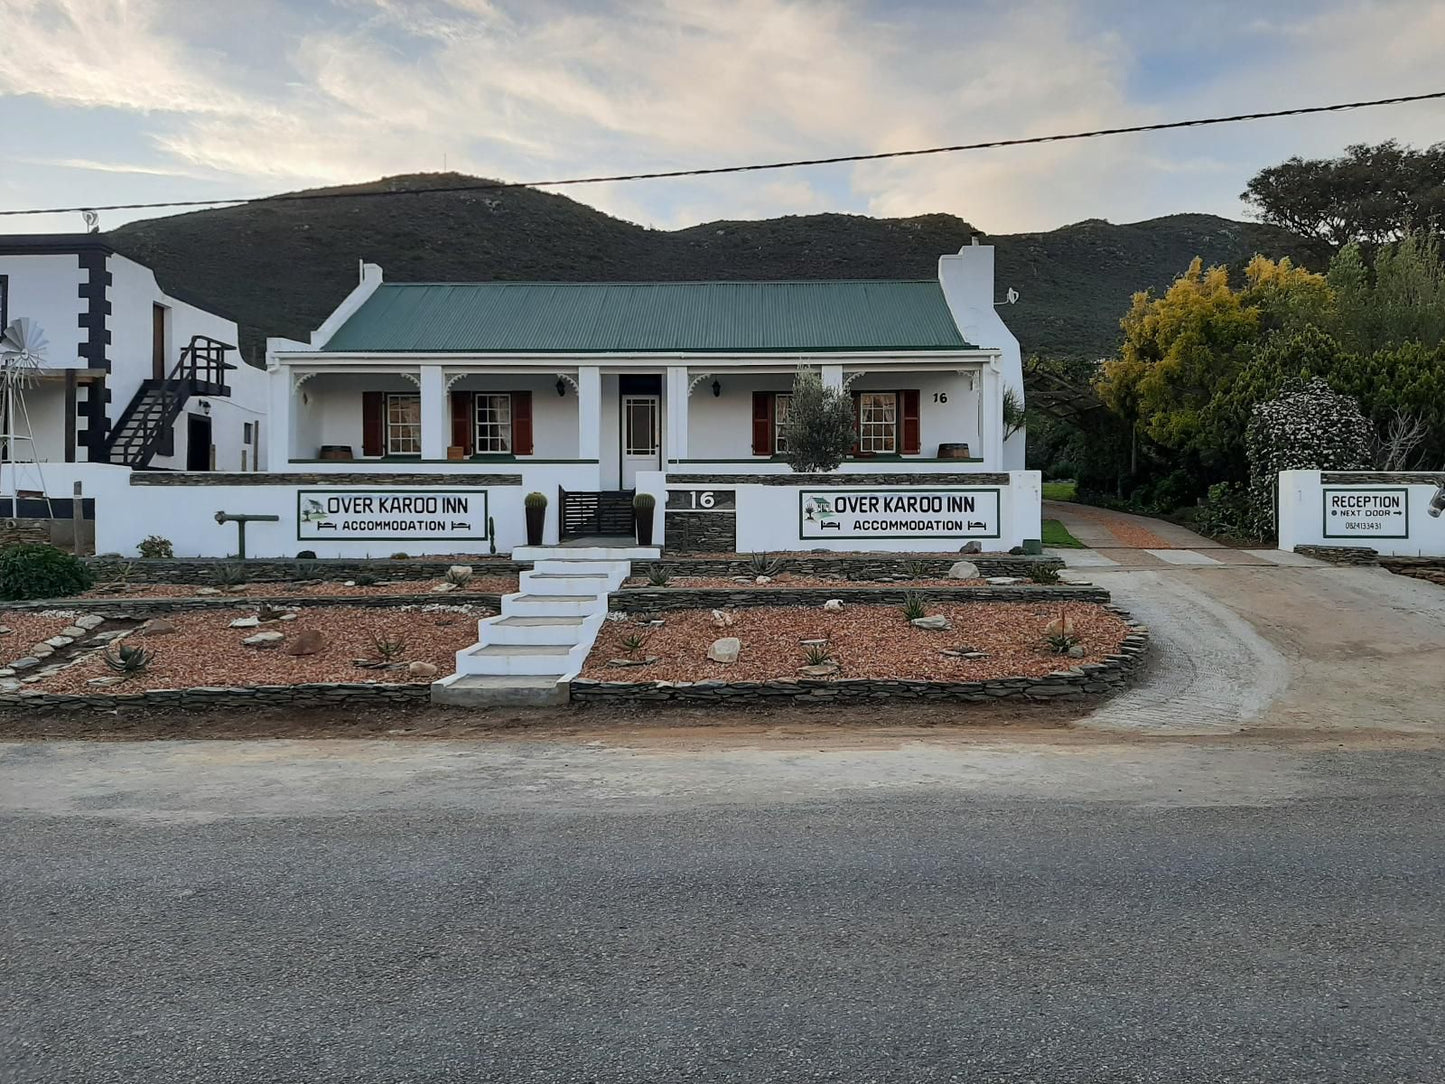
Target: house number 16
940	397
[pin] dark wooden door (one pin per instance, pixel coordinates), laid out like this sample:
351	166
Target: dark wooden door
198	442
158	341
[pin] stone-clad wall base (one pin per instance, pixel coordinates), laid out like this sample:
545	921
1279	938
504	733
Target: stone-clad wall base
702	532
259	696
1074	683
879	566
202	570
149	607
1358	556
713	598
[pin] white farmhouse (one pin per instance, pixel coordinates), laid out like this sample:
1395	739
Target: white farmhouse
589	392
130	375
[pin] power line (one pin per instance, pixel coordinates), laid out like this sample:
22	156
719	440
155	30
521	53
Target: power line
495	186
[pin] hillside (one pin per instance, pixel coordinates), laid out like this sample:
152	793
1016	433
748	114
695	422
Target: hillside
279	268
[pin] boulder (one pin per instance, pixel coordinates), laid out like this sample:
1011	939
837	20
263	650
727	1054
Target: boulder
725	650
1076	652
27	663
963	570
933	623
1061	626
421	669
60	641
461	573
970	547
75	632
41	651
246	622
305	642
159	626
90	621
833	605
264	639
722	619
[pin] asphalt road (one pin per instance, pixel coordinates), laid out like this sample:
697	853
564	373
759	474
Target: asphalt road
953	909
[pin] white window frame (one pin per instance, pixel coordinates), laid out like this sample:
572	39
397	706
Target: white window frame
402	437
878	435
492	419
781	402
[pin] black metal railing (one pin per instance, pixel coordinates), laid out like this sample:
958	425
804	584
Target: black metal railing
584	515
145	428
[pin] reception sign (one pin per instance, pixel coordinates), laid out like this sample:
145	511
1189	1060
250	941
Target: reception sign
1358	512
903	512
391	515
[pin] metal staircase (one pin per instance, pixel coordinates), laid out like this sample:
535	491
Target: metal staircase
531	651
146	428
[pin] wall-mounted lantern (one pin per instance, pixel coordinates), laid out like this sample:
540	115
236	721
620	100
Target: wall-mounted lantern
716	389
561	386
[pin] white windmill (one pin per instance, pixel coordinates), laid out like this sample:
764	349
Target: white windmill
22	350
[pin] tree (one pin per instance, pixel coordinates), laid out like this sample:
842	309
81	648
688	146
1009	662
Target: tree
1401	299
819	429
1372	194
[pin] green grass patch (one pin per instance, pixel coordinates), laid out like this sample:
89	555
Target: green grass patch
1059	491
1056	534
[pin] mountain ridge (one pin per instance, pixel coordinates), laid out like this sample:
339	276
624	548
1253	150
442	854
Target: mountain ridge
279	266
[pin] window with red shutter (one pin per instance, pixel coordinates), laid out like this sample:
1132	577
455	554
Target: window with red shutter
762	423
910	438
521	423
462	433
373	423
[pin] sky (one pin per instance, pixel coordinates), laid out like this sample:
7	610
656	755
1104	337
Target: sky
107	101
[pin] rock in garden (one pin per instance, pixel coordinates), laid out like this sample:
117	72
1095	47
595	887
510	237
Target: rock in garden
90	621
963	570
821	669
305	642
159	626
722	619
5	630
763	579
208	590
41	651
934	623
460	572
246	622
60	641
236	589
725	650
1076	652
814	643
264	639
1061	626
1003	581
833	605
27	663
75	632
970	547
421	669
443	588
634	662
286	617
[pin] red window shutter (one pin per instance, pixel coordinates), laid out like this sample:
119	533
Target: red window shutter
373	423
857	450
762	423
464	426
521	423
910	440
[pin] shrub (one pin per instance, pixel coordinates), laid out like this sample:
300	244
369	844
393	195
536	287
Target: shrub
916	570
914	606
634	642
306	555
307	571
764	564
401	556
228	574
127	660
1043	573
1227	512
155	546
1061	642
35	570
818	654
389	647
658	574
819	429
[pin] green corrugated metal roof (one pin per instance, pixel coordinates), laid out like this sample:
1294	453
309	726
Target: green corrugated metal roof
725	317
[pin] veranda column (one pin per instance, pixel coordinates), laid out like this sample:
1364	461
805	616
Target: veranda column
990	417
436	419
589	412
832	376
677	402
279	430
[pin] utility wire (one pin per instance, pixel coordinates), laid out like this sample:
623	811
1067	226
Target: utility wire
495	186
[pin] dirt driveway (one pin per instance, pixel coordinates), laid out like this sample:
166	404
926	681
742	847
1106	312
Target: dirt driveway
1257	639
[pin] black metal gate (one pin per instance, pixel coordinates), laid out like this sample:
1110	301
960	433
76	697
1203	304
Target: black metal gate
587	515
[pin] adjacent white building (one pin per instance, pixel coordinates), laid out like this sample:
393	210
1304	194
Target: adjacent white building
131	374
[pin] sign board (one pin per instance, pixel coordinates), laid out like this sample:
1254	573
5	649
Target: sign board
701	500
1360	512
391	515
904	512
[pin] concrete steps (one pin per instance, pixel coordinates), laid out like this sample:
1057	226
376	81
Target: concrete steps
545	630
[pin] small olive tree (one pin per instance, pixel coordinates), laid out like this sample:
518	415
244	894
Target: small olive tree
819	429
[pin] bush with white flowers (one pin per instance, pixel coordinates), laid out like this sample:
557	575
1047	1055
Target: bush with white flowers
1308	428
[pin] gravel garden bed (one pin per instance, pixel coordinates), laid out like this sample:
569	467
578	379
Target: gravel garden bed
491	585
202	649
1005	639
793	579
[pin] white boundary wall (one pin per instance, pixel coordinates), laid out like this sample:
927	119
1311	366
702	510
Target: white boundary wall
1398	515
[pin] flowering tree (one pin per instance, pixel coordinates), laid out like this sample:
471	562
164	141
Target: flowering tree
1309	428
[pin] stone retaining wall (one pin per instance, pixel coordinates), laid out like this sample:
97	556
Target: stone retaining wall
301	696
1385	478
711	598
1074	683
882	566
135	606
1341	555
202	570
961	478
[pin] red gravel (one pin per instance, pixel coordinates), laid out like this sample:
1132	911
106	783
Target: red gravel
206	651
791	579
868	642
27	629
492	585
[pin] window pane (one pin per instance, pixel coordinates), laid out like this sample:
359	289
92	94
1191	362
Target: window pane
878	422
780	419
494	423
403	425
640	416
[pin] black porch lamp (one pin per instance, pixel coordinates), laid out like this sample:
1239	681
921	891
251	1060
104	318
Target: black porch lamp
561	386
716	389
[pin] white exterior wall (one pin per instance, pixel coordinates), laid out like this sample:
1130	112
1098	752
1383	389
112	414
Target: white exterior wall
46	288
721	428
1303	515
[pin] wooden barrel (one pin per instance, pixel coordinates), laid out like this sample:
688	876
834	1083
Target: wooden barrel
335	451
953	451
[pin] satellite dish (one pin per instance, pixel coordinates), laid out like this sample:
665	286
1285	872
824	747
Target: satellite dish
1010	296
92	221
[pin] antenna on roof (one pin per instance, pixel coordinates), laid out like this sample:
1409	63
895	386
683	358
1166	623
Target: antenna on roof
92	221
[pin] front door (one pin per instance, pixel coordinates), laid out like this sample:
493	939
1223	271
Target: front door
158	342
641	436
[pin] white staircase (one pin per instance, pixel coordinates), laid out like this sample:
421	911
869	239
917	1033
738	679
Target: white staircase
531	651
